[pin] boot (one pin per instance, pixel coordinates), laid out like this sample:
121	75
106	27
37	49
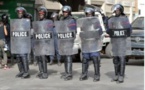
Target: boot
20	67
45	73
116	68
51	59
39	61
96	68
122	69
84	70
26	67
28	59
51	62
68	76
58	63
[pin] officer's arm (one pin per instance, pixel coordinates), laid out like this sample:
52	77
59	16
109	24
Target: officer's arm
74	26
107	25
100	30
130	29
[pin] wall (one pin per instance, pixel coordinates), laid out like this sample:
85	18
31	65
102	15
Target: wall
9	6
141	5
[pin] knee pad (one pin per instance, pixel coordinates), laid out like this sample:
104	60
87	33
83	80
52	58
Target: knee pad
116	60
85	61
18	59
122	60
69	59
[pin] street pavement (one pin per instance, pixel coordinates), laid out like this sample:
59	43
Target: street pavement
134	78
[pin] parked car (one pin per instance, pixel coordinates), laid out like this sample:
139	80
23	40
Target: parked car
137	38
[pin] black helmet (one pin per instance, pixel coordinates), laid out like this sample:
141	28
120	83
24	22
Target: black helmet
117	6
42	10
66	8
89	10
54	14
21	9
29	16
4	17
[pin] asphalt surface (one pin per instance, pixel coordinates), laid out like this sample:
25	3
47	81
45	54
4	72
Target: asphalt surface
134	78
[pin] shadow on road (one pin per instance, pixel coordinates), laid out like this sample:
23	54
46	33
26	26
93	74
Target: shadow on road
110	74
74	73
51	72
33	72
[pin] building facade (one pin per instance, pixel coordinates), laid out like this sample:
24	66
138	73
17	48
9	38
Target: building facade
106	5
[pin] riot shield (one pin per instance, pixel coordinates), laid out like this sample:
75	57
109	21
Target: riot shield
119	27
43	38
20	36
119	32
66	34
121	46
90	36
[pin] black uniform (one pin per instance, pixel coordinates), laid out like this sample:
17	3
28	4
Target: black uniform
119	43
22	59
68	58
41	60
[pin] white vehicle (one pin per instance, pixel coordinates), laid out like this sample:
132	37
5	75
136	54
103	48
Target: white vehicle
105	36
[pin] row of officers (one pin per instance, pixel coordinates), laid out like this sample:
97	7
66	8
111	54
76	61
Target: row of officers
56	38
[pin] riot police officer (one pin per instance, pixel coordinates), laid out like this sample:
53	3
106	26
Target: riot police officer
116	24
55	17
95	56
32	58
22	59
29	16
42	62
66	10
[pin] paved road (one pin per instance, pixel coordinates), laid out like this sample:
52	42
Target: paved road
134	79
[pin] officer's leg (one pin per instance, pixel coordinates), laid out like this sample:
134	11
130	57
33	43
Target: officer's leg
39	61
65	67
116	62
85	65
26	66
68	68
56	50
51	59
45	73
30	57
96	68
58	59
20	66
122	69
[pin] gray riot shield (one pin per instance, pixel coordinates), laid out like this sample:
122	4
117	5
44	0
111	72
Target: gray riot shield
66	33
20	36
43	38
119	27
119	32
90	36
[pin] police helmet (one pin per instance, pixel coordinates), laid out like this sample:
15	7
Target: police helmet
118	6
66	8
42	10
21	9
89	10
54	14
